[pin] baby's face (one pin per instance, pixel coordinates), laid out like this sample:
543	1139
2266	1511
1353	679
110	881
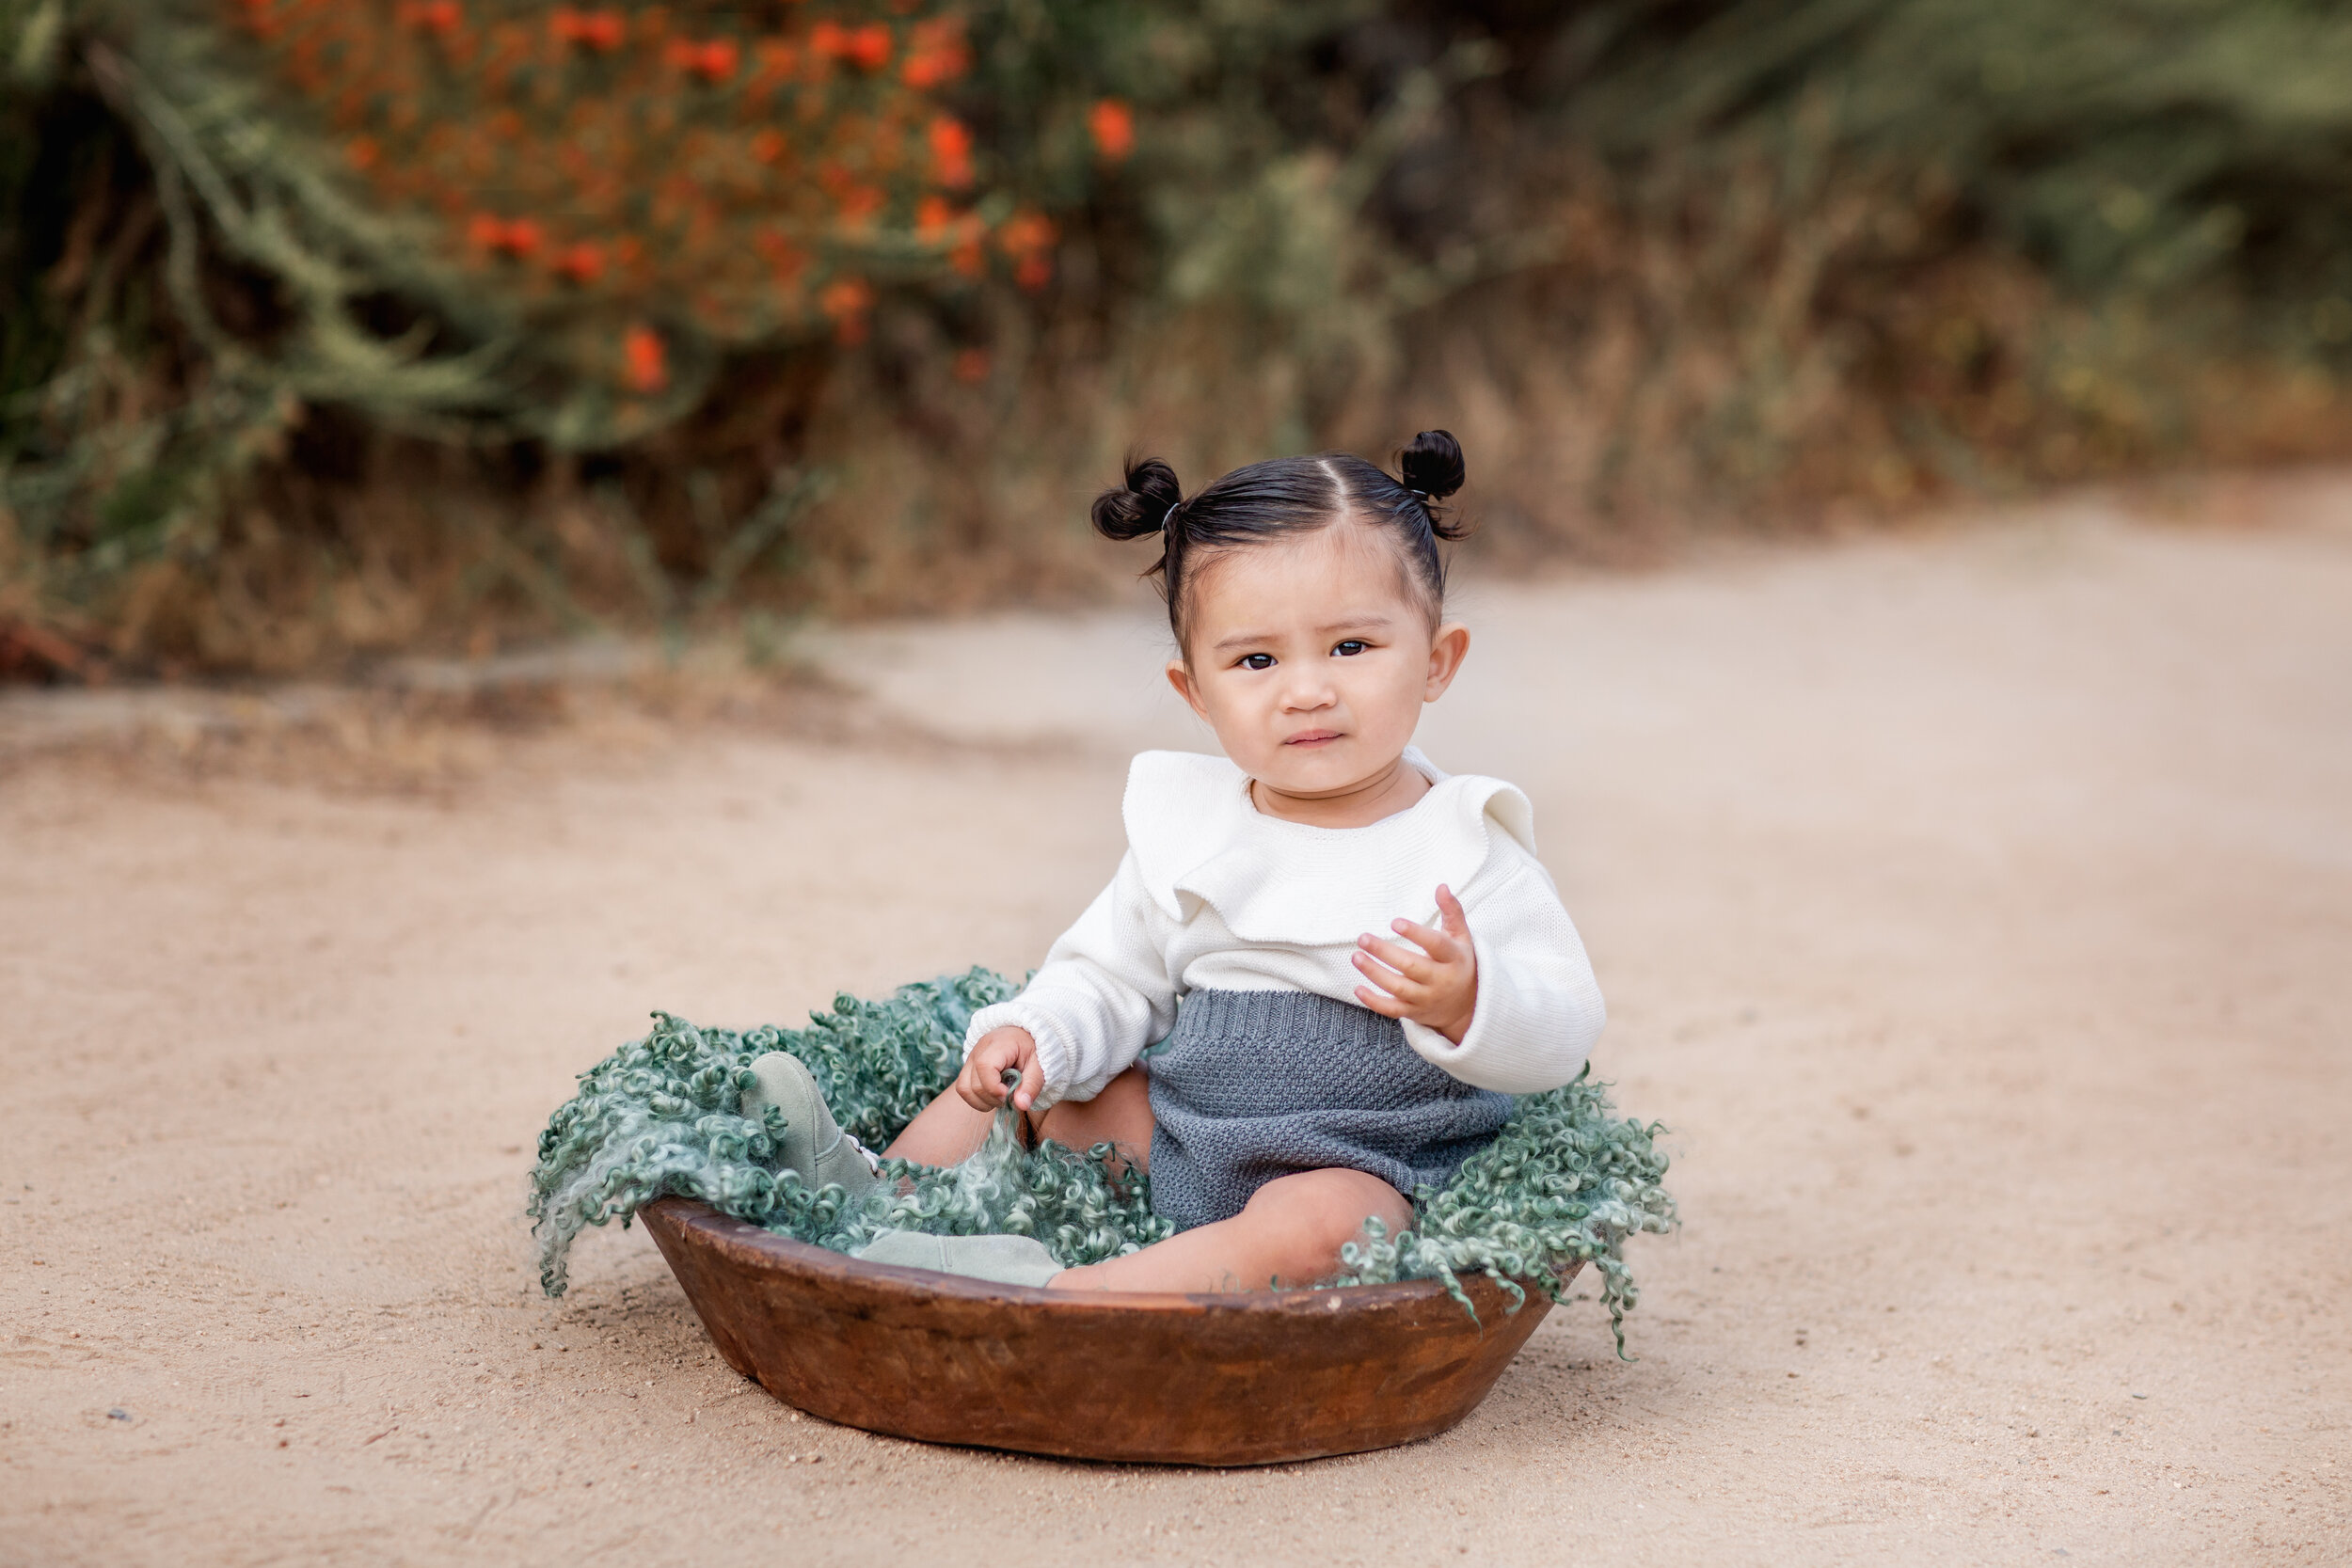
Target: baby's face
1310	659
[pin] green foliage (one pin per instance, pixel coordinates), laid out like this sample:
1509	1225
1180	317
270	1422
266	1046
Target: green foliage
1565	1181
2134	145
1735	256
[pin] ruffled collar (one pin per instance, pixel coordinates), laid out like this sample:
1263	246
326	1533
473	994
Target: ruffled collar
1196	835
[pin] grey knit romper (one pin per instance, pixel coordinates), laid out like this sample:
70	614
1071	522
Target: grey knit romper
1252	1084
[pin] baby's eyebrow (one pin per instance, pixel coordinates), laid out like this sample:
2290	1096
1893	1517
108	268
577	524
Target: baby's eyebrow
1373	622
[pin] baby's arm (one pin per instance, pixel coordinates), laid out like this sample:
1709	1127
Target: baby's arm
1103	994
1504	999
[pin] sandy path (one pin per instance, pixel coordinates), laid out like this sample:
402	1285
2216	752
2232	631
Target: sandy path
1977	911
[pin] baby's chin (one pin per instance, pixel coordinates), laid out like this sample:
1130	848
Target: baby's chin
1328	767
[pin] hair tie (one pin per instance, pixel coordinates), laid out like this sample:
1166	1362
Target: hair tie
1169	515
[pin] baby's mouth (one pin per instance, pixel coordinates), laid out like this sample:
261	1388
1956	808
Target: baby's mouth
1313	738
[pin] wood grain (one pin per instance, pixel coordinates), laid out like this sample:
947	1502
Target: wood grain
1246	1378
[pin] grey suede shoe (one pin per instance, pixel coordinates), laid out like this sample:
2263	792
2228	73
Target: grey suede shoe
813	1144
1001	1259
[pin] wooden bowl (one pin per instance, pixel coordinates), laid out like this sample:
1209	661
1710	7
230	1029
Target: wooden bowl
1248	1378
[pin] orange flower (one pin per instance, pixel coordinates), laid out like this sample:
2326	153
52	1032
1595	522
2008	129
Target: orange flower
933	216
1025	237
767	146
1113	125
1026	233
713	61
870	45
648	360
847	300
431	16
951	152
935	54
603	31
518	238
860	202
968	259
829	39
364	152
971	365
583	264
846	296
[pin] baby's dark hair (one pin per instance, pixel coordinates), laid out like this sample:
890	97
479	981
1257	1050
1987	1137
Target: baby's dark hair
1287	495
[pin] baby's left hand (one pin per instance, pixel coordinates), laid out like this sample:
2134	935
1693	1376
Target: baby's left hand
1437	986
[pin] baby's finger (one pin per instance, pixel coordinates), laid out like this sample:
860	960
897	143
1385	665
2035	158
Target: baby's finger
1386	1006
1404	960
1449	913
1032	1080
1437	943
1409	992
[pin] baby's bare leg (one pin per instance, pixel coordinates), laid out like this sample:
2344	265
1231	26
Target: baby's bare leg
1290	1231
948	1131
1120	1115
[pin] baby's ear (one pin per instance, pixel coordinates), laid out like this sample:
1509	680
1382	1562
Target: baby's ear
1179	677
1446	652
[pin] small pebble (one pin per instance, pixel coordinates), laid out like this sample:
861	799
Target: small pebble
118	1414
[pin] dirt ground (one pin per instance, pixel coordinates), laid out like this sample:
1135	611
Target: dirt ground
1975	908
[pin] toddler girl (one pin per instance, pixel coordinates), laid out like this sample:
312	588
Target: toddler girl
1314	1074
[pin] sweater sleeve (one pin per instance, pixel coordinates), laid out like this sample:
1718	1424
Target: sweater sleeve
1540	1009
1103	994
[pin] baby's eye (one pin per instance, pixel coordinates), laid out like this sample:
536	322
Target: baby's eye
1350	648
1257	661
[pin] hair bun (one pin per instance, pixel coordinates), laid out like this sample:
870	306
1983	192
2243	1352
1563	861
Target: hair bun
1432	464
1142	504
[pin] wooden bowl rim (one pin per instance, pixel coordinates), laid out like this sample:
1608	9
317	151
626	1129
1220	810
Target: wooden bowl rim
788	1255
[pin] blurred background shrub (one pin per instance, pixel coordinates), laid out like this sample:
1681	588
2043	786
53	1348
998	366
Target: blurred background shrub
332	328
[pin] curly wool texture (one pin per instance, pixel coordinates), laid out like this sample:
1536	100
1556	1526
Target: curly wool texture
662	1116
1567	1180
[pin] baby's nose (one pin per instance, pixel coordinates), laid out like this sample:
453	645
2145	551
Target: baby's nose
1305	696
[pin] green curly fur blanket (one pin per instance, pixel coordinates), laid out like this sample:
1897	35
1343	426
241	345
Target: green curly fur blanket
1566	1180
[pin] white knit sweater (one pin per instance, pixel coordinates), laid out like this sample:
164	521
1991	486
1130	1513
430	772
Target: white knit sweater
1215	895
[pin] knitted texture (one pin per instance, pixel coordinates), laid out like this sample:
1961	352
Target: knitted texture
1214	895
1255	1085
1565	1181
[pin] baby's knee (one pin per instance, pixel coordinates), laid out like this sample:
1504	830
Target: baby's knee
1325	1210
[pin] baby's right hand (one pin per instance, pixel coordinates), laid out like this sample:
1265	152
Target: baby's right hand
981	1082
